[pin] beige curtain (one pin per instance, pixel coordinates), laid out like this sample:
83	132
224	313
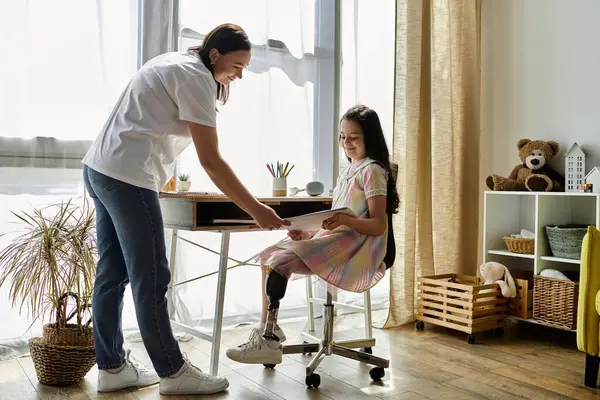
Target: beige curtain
436	144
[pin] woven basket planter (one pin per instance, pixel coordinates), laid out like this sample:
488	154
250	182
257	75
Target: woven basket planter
61	365
565	240
64	354
71	335
519	245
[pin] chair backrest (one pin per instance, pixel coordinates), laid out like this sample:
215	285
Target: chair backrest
390	253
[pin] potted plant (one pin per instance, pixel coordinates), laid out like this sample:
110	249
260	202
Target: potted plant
48	265
183	183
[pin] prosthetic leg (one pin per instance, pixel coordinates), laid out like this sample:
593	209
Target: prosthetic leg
275	290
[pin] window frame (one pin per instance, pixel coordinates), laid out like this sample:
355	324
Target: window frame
325	62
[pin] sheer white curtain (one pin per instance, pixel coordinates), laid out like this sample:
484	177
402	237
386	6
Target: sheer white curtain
367	77
64	63
273	113
269	117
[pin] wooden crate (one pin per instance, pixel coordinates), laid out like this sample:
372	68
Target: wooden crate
460	302
522	304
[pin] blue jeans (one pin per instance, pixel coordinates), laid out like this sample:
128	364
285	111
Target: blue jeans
131	249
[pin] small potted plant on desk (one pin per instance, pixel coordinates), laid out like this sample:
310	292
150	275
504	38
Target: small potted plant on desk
50	263
183	183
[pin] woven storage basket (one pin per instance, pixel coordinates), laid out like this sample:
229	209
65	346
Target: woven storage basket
61	365
555	302
519	245
565	240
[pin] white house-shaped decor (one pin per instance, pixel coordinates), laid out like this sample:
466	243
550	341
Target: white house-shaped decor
574	168
593	177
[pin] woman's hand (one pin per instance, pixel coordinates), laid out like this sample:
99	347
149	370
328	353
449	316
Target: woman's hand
267	218
338	220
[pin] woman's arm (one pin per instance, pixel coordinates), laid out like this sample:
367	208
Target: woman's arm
375	225
207	147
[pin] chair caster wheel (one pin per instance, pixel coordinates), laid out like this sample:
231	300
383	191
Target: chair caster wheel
377	373
368	350
313	380
420	325
269	366
471	339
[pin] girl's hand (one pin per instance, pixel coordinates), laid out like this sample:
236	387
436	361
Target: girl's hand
295	235
299	235
338	220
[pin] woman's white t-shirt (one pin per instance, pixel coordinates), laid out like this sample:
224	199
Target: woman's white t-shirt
147	129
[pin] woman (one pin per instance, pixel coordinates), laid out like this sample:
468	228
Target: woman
168	104
348	252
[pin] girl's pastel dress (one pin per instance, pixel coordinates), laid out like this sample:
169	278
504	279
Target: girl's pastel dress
343	258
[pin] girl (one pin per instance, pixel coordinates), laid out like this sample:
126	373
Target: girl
348	252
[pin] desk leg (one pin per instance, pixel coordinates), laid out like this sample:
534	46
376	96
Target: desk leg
218	321
172	256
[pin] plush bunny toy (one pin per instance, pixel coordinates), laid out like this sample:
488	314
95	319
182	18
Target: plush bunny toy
493	272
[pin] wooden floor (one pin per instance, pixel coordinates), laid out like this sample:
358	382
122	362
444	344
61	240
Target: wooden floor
528	362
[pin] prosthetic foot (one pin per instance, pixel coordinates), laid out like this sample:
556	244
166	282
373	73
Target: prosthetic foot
264	347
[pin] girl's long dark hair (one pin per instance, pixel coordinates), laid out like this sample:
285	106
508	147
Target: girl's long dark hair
224	38
376	148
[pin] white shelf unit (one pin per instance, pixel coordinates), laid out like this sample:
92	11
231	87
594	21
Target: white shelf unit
506	213
509	212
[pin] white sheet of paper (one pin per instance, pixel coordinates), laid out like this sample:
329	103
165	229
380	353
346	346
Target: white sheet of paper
307	222
314	221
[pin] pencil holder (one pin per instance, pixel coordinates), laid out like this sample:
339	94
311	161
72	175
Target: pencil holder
279	186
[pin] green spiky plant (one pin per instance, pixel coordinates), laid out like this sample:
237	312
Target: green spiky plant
54	255
184	177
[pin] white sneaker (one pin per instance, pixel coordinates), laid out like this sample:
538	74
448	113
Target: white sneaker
257	350
130	375
191	380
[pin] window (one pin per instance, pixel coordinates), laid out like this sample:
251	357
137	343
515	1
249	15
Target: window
368	51
283	109
64	64
69	61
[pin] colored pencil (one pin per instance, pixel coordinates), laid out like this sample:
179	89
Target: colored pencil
285	168
270	170
279	169
288	172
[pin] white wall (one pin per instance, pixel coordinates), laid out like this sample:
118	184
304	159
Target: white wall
540	78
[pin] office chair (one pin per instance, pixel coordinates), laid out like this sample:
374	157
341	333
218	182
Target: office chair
328	346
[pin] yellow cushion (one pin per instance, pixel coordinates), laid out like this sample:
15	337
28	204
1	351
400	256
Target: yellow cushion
588	318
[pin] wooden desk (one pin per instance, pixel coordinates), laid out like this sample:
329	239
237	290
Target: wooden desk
197	212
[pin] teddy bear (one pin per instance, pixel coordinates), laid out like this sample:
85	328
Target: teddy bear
494	272
534	173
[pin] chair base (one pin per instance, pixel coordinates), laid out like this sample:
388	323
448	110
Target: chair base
327	346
